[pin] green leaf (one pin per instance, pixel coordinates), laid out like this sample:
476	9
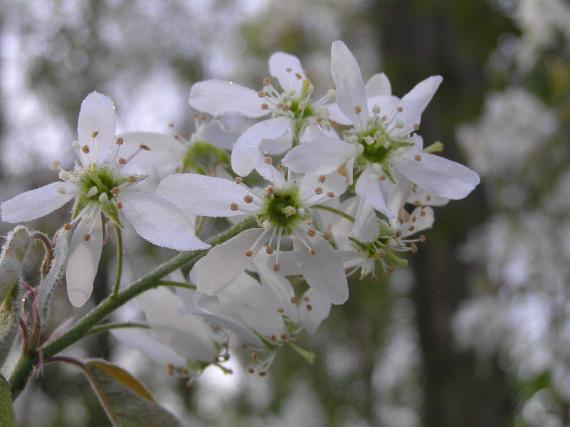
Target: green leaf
6	410
55	274
12	257
126	401
13	253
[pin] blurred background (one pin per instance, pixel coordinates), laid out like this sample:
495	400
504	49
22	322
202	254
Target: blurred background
475	333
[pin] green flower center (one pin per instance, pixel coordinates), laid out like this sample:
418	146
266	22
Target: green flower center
283	209
202	157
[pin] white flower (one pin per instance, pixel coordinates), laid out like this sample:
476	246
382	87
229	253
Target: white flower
291	110
99	186
382	139
283	209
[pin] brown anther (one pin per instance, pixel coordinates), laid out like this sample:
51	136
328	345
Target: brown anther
119	141
122	161
234	206
238	180
85	149
399	109
262	374
312	251
273	338
119	205
115	190
253	356
322	179
280	310
264	106
248	198
94	134
358	109
284	337
306	298
171	125
131	179
170	369
268	160
269	190
299	76
144	147
342	171
413	248
428	198
295	300
87	237
309	307
266	81
318	190
276	267
382	177
177	137
423	213
423	238
251	371
288	69
330	194
248	253
311	232
398	233
67	227
418	157
261	94
268	250
411	228
414	218
327	235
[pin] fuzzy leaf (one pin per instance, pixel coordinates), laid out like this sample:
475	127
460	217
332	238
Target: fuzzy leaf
6	410
55	274
126	401
17	244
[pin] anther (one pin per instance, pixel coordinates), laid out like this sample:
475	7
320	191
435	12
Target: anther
119	141
382	177
268	160
358	109
87	237
299	76
248	199
330	194
423	238
238	180
132	179
280	310
311	232
262	374
400	109
312	251
418	157
119	205
309	307
318	190
85	149
413	248
253	356
266	81
411	228
322	179
288	69
261	94
264	106
248	253
234	206
144	147
67	227
122	161
55	164
276	267
422	213
94	134
269	250
295	300
115	190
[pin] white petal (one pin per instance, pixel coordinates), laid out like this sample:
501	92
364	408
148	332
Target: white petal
288	70
437	175
205	195
415	101
320	309
420	219
224	262
324	272
337	116
96	127
368	187
350	91
334	183
378	85
420	197
320	157
83	260
164	149
160	222
217	97
37	203
366	224
144	341
246	153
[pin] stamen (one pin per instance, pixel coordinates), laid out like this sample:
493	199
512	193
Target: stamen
85	149
94	134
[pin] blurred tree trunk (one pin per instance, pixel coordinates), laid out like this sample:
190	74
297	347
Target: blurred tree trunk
438	37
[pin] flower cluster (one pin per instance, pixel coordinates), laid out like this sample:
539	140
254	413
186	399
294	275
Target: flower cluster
337	184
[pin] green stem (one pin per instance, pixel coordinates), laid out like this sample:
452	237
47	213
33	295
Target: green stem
335	211
119	267
25	364
177	284
108	326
